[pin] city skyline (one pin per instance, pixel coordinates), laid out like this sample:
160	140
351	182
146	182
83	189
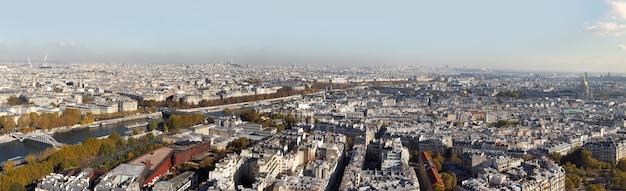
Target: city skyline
572	36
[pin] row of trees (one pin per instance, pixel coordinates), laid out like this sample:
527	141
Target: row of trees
178	122
285	91
503	123
509	94
121	114
46	121
125	150
265	119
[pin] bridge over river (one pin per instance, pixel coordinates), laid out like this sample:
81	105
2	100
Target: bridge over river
39	137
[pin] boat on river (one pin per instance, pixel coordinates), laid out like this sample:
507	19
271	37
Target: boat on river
136	125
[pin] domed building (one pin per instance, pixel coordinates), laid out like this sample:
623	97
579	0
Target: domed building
584	92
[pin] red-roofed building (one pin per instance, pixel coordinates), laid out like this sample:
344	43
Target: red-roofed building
431	171
158	163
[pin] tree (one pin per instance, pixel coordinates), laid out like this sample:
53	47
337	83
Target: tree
595	187
23	121
570	168
13	100
150	136
87	99
576	180
247	115
88	118
149	103
619	179
569	185
438	160
16	186
131	141
238	144
556	157
68	157
67	164
291	120
621	164
439	188
154	124
107	148
588	161
8	166
117	138
280	127
455	159
227	111
501	123
31	159
277	116
177	122
7	123
449	180
508	94
135	130
70	117
349	143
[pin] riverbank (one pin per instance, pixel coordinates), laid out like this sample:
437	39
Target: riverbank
108	121
6	138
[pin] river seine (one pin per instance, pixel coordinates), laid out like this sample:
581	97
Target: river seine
16	148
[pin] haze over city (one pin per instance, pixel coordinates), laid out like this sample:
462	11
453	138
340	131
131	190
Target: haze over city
293	95
563	35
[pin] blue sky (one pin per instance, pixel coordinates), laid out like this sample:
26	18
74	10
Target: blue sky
567	35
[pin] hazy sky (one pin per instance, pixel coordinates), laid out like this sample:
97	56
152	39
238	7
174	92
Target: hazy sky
572	35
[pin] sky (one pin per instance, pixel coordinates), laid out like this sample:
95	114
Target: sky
536	35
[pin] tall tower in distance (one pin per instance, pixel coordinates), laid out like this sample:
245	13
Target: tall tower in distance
33	75
584	91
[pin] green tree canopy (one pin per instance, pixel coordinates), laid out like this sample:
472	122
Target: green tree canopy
248	115
291	120
16	186
569	185
621	164
556	157
107	148
595	187
449	180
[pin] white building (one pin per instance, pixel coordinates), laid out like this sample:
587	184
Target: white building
394	155
503	162
124	177
127	105
225	170
544	173
54	182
